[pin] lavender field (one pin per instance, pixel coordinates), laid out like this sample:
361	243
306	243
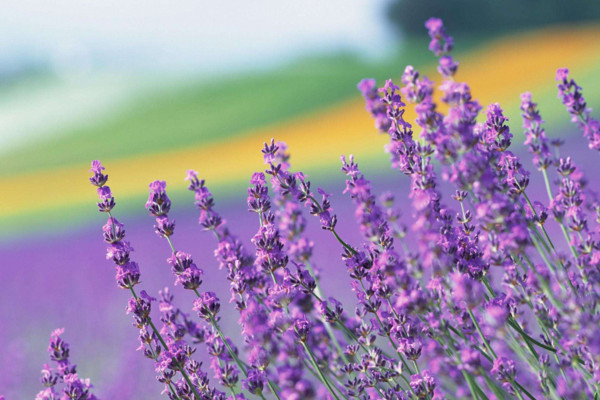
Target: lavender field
436	240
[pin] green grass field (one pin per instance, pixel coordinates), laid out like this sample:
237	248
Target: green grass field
201	112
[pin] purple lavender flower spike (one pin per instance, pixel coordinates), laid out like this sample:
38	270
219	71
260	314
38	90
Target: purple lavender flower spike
482	297
62	381
99	178
190	277
209	219
441	43
374	104
107	201
373	225
423	385
255	382
171	361
504	368
258	199
571	96
128	275
231	255
535	135
113	231
158	205
207	306
447	67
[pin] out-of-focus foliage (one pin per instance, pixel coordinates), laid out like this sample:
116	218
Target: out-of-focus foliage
201	112
487	17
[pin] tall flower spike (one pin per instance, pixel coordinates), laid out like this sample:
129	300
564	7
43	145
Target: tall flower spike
368	212
98	179
185	270
209	219
128	276
159	205
441	43
127	271
572	97
107	201
479	163
430	298
535	135
248	287
61	381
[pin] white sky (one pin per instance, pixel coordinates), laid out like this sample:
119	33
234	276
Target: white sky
183	34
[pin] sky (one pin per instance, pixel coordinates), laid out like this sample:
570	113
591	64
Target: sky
186	35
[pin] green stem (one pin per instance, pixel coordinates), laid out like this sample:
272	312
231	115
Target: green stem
235	357
498	392
229	349
522	389
155	358
321	375
316	375
568	239
489	348
472	389
346	245
416	367
516	326
486	344
171	244
270	385
230	387
547	183
528	338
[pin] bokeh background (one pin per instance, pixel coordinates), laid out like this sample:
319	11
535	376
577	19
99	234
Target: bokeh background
155	88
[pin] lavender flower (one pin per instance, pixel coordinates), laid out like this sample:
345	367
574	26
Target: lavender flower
536	139
207	306
475	295
570	94
441	43
158	205
422	385
168	360
62	382
504	368
99	178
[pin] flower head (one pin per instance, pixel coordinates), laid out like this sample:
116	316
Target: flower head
207	305
504	368
158	203
440	43
99	179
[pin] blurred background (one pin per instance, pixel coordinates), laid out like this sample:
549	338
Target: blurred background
154	88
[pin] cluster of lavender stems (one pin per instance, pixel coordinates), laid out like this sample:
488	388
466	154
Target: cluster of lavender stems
60	381
482	303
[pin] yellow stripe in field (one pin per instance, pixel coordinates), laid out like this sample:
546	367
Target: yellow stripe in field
498	72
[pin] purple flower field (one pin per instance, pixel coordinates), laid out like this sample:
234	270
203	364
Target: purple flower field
104	346
472	270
